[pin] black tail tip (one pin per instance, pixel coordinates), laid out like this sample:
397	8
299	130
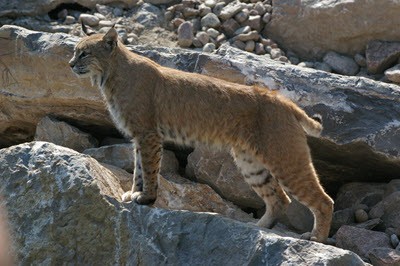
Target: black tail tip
317	117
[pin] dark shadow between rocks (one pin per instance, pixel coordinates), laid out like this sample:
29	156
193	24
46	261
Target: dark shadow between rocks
353	162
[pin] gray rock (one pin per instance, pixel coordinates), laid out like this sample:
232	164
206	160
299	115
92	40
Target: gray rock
243	30
203	37
260	7
353	194
218	8
394	240
242	16
190	12
159	2
69	20
322	66
210	21
361	216
209	48
88	19
64	208
393	73
231	10
388	210
230	26
250	45
251	36
148	15
384	257
254	22
204	10
260	50
360	60
342	217
117	11
275	53
239	44
267	17
306	64
60	133
361	241
341	64
369	225
213	33
381	55
185	34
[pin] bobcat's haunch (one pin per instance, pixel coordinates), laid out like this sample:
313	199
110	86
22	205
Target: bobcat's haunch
266	132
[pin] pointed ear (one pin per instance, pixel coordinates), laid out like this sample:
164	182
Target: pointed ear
111	38
86	31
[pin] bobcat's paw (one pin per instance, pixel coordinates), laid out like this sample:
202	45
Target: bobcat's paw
127	196
142	198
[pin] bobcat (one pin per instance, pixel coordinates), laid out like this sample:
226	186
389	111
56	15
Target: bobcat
151	104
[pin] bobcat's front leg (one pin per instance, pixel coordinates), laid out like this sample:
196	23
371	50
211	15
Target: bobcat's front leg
147	166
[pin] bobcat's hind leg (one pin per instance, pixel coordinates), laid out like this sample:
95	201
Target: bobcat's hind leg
265	185
303	184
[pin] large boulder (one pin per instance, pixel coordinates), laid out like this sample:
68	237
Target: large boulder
313	27
64	208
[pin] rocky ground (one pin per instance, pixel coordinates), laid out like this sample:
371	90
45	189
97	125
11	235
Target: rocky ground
76	186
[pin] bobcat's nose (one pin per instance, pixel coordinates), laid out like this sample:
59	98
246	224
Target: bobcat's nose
71	63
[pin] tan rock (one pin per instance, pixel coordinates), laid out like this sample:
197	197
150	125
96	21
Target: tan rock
311	28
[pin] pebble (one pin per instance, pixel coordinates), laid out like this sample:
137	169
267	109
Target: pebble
260	7
230	26
253	35
242	30
197	43
275	53
204	10
69	20
282	58
306	64
360	60
254	22
62	14
360	216
106	23
213	33
210	3
393	74
185	34
89	20
203	37
267	17
322	66
210	21
239	44
341	64
176	22
259	49
100	16
394	240
218	8
250	45
242	16
294	60
209	48
230	10
190	12
221	38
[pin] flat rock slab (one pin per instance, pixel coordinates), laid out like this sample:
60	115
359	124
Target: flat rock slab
63	208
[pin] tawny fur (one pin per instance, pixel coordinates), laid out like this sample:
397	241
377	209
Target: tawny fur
150	104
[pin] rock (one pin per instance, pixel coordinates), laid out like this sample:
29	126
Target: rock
260	8
254	22
210	21
353	194
231	10
203	37
322	66
306	64
204	10
185	34
239	44
209	48
384	257
23	8
250	45
218	8
310	28
394	240
218	170
381	55
393	73
299	217
90	20
177	193
159	2
69	20
341	64
370	224
74	204
121	155
149	15
360	60
361	216
266	18
275	53
243	30
242	16
251	36
212	32
260	49
60	133
342	217
230	26
361	241
190	12
388	210
392	186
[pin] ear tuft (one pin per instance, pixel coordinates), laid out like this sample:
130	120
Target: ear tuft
111	37
86	30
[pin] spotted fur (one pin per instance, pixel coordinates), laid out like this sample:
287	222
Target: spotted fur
151	104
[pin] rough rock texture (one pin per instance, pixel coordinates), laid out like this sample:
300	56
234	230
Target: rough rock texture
380	55
33	8
66	204
313	27
353	194
347	104
61	133
384	257
388	210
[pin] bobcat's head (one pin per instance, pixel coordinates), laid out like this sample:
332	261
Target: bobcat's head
92	55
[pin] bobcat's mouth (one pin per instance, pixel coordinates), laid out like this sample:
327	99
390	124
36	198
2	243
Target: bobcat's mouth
80	71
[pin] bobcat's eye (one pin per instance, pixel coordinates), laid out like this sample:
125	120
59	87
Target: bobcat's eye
83	54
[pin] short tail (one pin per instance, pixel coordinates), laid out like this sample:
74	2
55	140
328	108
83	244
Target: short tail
312	125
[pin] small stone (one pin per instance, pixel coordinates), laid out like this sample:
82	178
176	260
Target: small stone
259	49
209	48
176	22
267	17
380	55
384	257
103	9
220	39
275	53
106	23
210	3
360	216
204	10
190	12
341	64
218	8
267	42
254	22
230	10
360	60
322	66
210	21
250	45
89	20
196	24
197	43
185	34
230	26
203	37
306	64
239	44
69	20
133	38
294	60
168	15
394	240
260	7
242	16
253	35
393	74
62	14
242	30
253	12
282	58
213	33
117	11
